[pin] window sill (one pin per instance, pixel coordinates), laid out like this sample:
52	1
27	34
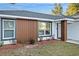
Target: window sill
7	39
45	36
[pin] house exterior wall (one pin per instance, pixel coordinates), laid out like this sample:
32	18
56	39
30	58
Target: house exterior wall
72	31
54	29
59	30
6	41
54	32
0	28
26	30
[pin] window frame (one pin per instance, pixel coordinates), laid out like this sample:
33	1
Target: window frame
7	29
46	35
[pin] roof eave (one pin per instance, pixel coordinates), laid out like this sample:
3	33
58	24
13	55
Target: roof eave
22	17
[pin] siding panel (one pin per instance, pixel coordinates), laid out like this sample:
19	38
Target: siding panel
26	30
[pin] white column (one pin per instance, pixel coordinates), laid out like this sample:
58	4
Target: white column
54	29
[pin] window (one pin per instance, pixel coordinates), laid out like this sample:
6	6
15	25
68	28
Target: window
8	29
44	28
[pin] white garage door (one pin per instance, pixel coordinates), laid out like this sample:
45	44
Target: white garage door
72	31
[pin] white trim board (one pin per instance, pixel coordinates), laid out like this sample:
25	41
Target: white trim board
66	19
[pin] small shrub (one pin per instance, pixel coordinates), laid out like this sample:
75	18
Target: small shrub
32	41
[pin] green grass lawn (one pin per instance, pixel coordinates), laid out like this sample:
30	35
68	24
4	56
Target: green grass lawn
56	48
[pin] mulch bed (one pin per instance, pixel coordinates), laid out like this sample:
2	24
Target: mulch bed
40	43
16	46
10	47
44	42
